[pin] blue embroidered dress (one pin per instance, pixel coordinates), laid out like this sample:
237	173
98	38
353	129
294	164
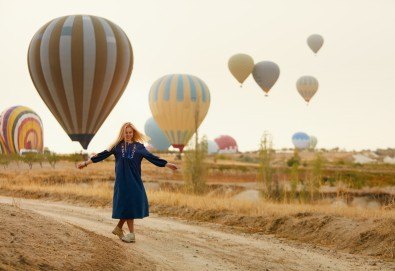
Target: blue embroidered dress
130	200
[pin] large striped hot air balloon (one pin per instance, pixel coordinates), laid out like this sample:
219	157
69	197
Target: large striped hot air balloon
21	128
179	103
80	66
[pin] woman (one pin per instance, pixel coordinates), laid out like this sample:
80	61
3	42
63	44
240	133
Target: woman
129	200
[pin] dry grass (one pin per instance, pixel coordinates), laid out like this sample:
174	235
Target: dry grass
350	229
101	192
262	208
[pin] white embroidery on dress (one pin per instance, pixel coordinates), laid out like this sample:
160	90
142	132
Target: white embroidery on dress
134	149
128	155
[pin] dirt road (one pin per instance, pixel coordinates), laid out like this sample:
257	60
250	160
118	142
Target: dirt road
173	244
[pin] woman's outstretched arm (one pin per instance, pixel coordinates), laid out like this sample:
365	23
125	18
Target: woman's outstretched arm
156	160
96	158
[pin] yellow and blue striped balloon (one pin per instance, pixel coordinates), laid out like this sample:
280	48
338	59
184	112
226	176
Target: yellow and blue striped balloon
179	103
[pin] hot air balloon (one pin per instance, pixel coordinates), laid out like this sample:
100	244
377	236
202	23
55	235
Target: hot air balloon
265	74
179	103
158	140
301	140
3	149
307	86
313	142
241	66
80	66
315	42
212	147
226	143
21	128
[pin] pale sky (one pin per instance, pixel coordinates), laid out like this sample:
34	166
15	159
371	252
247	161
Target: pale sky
353	108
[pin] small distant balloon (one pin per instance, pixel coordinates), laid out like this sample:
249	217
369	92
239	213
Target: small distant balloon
315	42
265	74
226	144
241	66
307	86
212	147
313	142
301	140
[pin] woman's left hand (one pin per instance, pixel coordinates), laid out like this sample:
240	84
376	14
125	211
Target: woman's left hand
171	166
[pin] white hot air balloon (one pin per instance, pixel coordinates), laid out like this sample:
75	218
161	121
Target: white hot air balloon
313	142
212	147
315	42
307	86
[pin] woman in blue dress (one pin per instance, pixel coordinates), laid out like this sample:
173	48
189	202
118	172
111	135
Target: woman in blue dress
130	199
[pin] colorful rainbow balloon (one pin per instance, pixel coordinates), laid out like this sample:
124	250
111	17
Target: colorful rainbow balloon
21	128
3	149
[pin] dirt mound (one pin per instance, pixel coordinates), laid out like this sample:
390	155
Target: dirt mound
29	241
373	237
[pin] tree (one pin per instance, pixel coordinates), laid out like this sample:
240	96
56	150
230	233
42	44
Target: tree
52	158
267	183
30	159
194	166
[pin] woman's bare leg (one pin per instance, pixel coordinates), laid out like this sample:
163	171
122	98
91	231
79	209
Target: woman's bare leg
121	222
130	223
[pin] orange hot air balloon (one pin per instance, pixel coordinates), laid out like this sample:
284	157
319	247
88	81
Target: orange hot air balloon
80	66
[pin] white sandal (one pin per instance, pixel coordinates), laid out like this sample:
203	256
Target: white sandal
129	238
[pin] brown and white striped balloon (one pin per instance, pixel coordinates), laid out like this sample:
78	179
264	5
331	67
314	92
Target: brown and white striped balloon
80	66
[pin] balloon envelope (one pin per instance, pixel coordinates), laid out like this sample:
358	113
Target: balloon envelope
315	42
241	66
3	149
307	86
313	142
80	66
226	143
179	104
158	139
212	147
21	128
265	74
301	140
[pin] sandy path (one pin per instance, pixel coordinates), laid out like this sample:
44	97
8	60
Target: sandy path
173	244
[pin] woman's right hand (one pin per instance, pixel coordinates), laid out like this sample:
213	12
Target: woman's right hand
81	165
